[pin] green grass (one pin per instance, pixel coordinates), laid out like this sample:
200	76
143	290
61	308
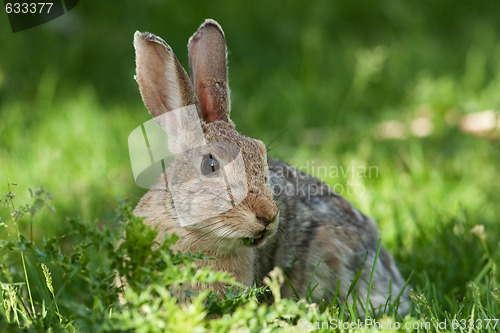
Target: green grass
317	82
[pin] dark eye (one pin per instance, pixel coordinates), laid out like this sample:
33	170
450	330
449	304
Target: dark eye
209	164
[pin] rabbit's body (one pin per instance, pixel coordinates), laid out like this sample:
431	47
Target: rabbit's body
322	239
316	238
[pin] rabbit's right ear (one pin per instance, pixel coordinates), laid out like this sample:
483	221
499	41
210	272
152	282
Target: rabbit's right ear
208	65
163	82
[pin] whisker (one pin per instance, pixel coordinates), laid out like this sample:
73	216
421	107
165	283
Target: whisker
207	234
207	194
268	145
206	226
223	237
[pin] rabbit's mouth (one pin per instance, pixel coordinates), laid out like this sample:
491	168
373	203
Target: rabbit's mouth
270	227
254	242
257	241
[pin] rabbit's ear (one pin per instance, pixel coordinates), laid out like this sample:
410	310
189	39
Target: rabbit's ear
208	66
163	82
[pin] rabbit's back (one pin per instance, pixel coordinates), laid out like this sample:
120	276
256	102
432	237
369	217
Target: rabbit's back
322	239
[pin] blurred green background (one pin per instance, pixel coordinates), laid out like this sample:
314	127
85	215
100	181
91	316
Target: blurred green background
375	83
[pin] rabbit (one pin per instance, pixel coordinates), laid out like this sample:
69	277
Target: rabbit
269	218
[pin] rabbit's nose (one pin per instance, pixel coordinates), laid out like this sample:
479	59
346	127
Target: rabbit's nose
265	221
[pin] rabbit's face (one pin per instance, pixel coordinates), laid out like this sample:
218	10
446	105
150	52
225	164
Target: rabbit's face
221	190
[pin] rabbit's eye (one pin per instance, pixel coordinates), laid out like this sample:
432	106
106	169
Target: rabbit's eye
209	164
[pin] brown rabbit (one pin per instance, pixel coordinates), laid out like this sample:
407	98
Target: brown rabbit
223	196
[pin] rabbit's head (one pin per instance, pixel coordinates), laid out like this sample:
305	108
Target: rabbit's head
217	181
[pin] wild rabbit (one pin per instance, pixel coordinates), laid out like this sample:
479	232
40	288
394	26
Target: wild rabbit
223	196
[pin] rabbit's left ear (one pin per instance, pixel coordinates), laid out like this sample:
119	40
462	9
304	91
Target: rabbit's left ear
208	65
164	84
167	92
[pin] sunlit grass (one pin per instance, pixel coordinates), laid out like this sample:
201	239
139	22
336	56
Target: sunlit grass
78	150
